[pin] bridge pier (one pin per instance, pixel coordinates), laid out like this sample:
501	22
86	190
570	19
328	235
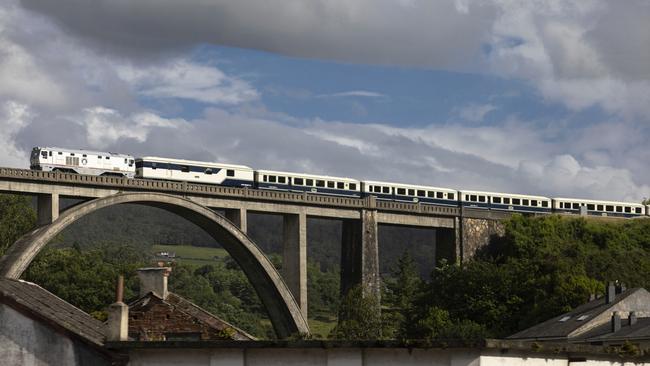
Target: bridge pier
47	208
294	257
239	217
360	255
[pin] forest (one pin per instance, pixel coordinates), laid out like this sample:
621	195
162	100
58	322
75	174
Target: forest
541	267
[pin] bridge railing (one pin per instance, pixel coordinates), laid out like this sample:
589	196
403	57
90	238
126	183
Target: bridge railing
215	190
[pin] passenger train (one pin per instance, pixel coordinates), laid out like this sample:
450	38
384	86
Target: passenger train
148	167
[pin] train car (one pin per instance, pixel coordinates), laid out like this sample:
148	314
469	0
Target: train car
505	201
298	182
410	193
151	167
56	159
598	208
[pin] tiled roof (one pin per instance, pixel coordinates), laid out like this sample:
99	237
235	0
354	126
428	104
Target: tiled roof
563	325
603	333
42	304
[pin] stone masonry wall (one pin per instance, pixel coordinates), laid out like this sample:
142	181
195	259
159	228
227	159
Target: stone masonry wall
477	234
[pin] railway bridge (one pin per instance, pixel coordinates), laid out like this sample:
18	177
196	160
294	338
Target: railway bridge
458	233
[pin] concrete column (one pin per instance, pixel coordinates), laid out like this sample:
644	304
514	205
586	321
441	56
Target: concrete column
446	245
294	257
48	208
239	217
360	254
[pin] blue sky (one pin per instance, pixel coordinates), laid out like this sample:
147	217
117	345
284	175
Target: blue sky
540	97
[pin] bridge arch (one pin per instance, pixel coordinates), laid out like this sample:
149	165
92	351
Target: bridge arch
282	308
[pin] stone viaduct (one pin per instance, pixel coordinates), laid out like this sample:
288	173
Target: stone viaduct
458	233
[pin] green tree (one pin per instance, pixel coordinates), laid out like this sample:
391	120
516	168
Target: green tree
17	217
358	317
403	287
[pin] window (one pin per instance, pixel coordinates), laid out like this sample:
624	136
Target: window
272	179
376	189
108	158
185	168
320	183
481	198
401	191
340	185
84	156
282	180
50	153
44	154
439	195
628	209
637	210
298	181
533	203
71	154
265	178
130	162
544	204
353	186
466	197
330	184
516	201
429	194
450	196
125	161
309	182
208	171
506	200
230	173
99	157
496	199
411	192
582	317
600	207
576	206
153	165
386	190
473	198
525	202
591	206
609	208
421	193
619	209
60	153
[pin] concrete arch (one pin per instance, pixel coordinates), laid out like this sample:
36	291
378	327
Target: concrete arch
274	293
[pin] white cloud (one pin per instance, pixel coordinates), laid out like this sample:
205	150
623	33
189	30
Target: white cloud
475	112
353	93
13	117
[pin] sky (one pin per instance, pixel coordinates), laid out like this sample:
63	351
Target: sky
535	97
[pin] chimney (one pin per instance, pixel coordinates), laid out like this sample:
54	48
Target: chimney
117	328
610	294
154	279
632	318
616	322
620	287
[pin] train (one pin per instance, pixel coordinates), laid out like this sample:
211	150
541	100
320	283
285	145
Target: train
151	167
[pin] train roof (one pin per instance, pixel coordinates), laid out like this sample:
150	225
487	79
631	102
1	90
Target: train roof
504	194
314	176
194	162
414	186
78	151
580	200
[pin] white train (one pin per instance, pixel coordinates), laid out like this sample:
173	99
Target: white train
148	167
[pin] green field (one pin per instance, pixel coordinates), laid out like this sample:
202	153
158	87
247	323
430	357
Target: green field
187	254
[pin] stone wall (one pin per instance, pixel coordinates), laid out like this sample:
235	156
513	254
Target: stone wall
477	233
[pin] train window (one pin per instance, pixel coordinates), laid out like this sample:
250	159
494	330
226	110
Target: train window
309	182
386	190
473	198
609	208
496	199
44	154
60	153
84	155
153	165
184	168
429	194
590	206
450	196
544	204
401	191
282	180
108	158
533	203
466	197
411	192
298	181
619	209
525	202
208	171
637	210
71	154
576	206
330	184
130	161
481	198
516	201
340	185
506	200
353	186
124	160
600	207
271	178
320	183
421	193
628	209
99	157
439	195
376	189
230	173
50	153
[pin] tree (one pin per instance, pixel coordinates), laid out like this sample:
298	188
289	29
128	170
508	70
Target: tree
358	317
402	289
17	217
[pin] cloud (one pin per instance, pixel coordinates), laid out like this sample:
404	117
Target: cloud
353	93
475	112
13	117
